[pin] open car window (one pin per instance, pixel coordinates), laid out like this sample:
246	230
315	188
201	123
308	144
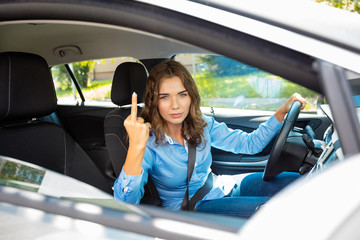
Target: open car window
226	83
222	83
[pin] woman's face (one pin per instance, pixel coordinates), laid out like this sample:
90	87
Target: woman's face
174	101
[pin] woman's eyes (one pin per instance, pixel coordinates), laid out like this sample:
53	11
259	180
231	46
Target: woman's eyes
180	94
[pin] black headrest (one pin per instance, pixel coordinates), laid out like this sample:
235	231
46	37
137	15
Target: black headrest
26	87
129	77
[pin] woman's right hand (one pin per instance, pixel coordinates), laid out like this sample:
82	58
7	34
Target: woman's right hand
138	132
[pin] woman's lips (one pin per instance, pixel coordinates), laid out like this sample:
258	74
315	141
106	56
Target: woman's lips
177	115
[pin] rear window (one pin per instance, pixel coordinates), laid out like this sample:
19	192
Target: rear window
94	77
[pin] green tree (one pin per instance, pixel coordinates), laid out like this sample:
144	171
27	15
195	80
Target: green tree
290	88
350	5
81	71
61	77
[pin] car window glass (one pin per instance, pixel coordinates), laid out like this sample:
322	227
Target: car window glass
226	83
94	77
64	87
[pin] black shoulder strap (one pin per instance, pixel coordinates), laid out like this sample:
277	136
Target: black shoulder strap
190	205
190	169
151	195
200	194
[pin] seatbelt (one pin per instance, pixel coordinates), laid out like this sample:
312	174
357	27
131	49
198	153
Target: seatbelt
200	194
190	205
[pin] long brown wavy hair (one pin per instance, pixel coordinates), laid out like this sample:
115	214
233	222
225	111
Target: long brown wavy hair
193	125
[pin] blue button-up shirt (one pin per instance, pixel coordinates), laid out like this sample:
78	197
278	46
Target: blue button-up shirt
167	163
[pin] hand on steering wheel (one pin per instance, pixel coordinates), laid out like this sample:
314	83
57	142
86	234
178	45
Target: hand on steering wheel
274	164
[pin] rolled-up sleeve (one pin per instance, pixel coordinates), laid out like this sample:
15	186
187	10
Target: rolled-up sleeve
129	188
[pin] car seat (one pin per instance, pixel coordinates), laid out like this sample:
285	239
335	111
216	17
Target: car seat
129	77
27	93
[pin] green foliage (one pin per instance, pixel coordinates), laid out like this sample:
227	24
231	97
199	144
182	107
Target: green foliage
211	86
61	77
8	169
349	5
88	91
99	90
81	71
108	95
98	83
290	88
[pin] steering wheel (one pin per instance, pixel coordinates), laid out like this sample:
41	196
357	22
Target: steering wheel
273	166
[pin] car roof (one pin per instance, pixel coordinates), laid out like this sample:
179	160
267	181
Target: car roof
84	41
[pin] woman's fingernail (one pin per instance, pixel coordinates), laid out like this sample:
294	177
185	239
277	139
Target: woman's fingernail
134	94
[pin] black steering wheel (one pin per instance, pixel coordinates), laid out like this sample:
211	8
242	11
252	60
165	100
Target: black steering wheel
273	166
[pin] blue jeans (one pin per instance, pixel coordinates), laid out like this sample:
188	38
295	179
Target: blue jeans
247	195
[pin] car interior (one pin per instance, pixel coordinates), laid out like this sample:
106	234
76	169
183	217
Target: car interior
88	142
32	130
246	59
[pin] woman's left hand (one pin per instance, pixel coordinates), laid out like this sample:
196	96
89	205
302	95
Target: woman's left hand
284	109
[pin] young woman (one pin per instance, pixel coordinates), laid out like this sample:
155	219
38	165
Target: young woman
170	122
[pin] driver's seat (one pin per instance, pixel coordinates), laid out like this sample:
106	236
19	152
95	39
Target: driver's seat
129	77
